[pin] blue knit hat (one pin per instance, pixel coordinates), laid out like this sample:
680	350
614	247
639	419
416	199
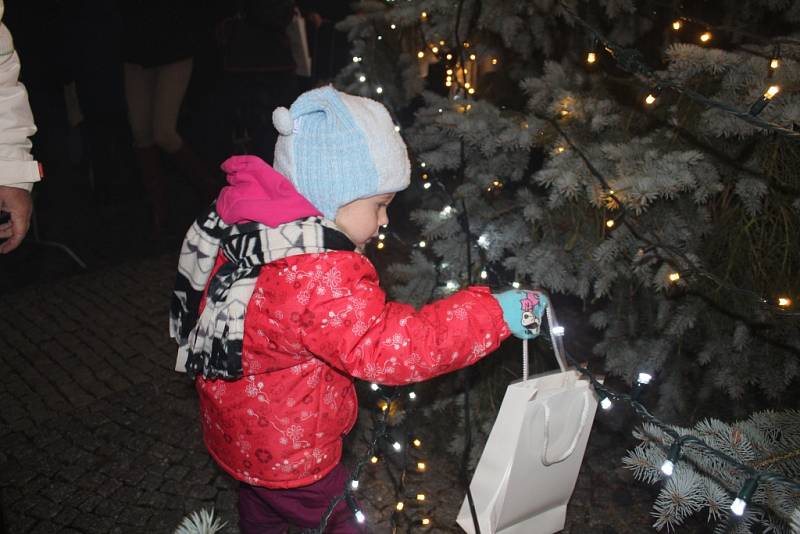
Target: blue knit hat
336	148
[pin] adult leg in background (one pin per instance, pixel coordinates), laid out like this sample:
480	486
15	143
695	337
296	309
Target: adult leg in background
172	80
139	89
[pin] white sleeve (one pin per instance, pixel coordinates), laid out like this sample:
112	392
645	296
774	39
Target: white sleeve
17	167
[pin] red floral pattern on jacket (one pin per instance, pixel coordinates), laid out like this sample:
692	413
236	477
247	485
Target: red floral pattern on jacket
314	322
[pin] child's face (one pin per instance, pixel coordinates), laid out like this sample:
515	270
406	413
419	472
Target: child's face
361	219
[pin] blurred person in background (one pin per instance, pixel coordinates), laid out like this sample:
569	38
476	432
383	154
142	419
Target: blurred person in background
159	42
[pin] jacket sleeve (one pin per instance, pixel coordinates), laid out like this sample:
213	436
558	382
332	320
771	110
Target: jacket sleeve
392	343
17	167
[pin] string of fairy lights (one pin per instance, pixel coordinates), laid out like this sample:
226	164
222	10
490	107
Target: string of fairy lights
632	61
382	433
461	77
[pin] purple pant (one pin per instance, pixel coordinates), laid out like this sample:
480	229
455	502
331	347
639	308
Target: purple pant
271	511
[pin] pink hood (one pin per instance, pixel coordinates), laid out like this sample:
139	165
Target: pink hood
259	193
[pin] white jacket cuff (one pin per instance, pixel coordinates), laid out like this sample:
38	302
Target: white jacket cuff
20	174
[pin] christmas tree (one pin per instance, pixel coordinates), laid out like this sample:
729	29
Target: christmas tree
640	157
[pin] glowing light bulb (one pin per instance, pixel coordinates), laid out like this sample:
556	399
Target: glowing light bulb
380	37
668	467
362	78
435	49
606	403
381	236
484	275
674	277
472	57
356	59
557	330
644	378
374	459
484	241
494	61
650	99
422	244
426	185
774	63
417	442
467	85
379	90
380	245
560	149
449	57
423	15
677	25
591	57
412	395
471	90
396	446
515	285
466	44
610	223
420	496
784	302
426	521
374	386
451	285
396	128
393	26
447	210
743	497
441	42
420	54
421	466
771	92
360	516
354	484
423	164
399	506
705	37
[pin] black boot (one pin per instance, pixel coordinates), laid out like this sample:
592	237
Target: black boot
155	186
201	173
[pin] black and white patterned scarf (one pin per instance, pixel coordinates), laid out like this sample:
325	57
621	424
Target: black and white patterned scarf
212	343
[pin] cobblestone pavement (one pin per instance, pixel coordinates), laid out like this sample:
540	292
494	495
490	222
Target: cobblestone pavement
98	434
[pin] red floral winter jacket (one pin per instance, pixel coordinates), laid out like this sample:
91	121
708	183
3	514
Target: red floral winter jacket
314	322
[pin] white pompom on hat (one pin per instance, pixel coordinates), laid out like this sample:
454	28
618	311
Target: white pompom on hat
336	148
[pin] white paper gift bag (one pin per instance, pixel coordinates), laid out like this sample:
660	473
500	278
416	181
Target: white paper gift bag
529	466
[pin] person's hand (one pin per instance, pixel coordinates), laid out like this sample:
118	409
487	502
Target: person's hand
523	310
17	203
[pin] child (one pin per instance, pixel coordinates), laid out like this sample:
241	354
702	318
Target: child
291	312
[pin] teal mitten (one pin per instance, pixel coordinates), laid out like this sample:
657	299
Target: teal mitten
523	311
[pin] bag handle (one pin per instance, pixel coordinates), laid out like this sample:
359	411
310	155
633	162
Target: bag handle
546	460
556	332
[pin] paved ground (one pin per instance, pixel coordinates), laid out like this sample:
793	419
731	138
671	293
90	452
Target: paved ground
96	433
99	435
